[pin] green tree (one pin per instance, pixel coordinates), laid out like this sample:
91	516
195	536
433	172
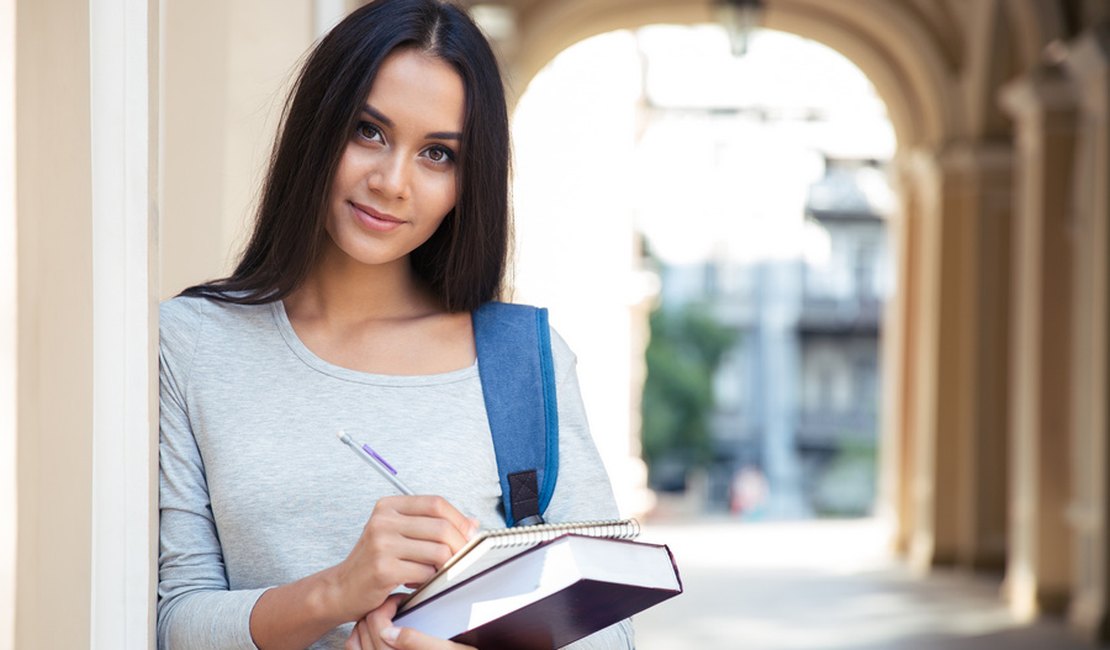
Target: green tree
685	349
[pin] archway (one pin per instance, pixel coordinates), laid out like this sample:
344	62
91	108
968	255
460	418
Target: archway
935	66
596	135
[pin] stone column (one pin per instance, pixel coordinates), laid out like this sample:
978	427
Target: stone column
1089	64
899	333
923	186
973	400
957	434
1039	570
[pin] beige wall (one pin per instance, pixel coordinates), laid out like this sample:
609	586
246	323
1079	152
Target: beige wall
54	324
226	73
8	512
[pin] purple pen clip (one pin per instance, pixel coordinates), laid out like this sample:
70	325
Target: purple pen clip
378	458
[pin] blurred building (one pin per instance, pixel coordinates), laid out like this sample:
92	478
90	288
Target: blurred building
844	287
124	136
797	397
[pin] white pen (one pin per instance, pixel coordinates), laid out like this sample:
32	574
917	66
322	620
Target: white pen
377	462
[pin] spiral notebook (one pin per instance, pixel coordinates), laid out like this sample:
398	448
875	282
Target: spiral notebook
495	546
542	587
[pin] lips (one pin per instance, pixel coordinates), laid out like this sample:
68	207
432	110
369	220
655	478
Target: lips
373	219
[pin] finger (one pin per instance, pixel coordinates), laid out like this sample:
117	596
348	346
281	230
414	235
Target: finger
433	529
396	571
406	638
353	642
367	636
431	506
431	553
380	619
389	528
390	606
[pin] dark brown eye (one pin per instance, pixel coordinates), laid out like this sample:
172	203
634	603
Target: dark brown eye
368	131
440	155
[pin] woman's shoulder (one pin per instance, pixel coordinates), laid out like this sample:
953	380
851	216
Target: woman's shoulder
181	311
186	320
180	322
194	311
560	349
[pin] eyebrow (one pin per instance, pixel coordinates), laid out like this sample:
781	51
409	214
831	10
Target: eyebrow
434	135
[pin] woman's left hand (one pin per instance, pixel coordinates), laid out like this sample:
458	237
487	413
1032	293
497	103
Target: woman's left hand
375	631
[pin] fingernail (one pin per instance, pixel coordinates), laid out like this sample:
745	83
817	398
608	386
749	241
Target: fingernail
391	633
474	530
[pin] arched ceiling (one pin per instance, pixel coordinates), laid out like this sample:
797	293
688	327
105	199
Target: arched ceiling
916	52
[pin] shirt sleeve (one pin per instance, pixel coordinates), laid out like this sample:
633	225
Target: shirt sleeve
196	608
582	489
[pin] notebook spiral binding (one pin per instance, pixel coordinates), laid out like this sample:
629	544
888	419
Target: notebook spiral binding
531	535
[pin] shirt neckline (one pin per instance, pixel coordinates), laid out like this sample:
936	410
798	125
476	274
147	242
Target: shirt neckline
285	327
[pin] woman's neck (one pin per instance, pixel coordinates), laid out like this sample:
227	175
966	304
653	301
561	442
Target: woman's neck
342	290
380	319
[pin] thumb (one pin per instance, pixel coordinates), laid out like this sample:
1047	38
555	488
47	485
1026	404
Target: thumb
398	637
406	638
391	634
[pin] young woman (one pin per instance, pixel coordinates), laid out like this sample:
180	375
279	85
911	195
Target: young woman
383	224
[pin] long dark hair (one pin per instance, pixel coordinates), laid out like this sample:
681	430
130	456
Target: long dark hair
464	261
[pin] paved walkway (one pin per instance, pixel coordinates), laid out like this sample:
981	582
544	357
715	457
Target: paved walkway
824	585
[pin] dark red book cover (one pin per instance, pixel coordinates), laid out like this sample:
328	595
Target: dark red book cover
564	617
575	610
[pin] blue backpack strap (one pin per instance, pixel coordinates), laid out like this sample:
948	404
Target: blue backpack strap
513	345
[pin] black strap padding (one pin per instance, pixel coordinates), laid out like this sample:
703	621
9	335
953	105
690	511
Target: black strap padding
524	497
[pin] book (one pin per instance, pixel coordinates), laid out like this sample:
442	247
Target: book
495	546
542	587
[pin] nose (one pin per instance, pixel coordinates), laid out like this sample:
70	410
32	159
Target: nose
391	177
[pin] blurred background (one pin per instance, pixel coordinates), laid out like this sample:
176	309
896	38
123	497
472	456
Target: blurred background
835	273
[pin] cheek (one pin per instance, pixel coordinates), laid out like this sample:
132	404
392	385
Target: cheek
438	197
444	203
347	175
450	195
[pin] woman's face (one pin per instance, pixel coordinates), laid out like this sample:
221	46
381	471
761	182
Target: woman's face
397	178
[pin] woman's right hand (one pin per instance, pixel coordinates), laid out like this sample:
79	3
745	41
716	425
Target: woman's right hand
405	541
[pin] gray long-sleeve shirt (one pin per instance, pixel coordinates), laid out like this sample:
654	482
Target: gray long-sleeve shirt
256	491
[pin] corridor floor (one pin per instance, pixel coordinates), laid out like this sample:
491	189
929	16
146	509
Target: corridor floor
824	585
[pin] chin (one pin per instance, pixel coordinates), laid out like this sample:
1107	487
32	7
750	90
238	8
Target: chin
378	256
